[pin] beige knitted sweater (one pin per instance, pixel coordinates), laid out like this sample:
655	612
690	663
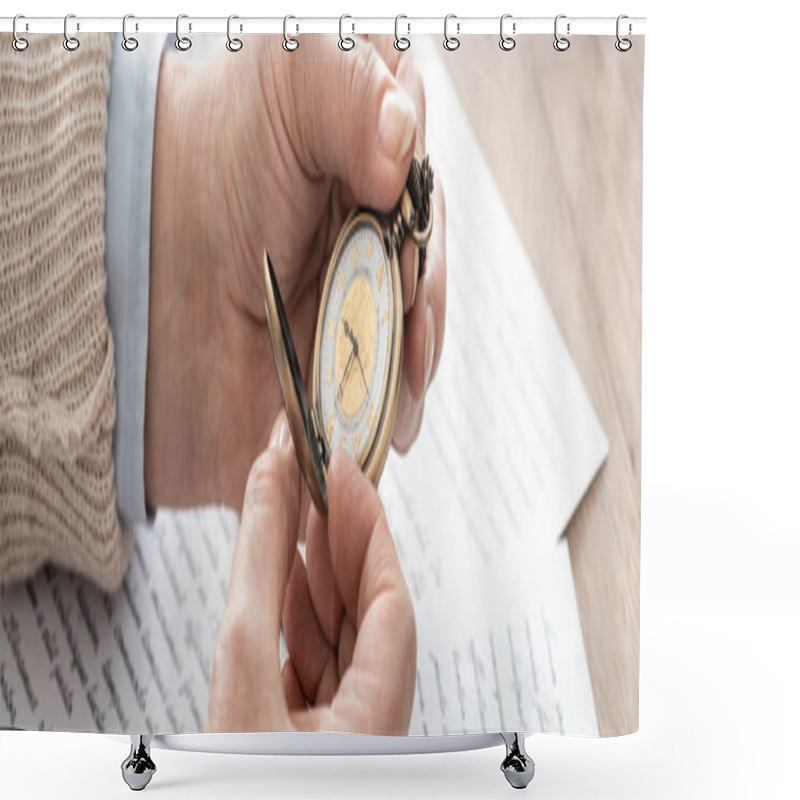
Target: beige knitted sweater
57	405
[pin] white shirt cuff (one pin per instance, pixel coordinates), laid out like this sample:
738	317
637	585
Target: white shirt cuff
129	165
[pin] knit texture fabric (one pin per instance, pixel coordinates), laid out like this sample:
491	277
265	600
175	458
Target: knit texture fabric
57	404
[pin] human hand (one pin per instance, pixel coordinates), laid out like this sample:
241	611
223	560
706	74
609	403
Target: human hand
347	616
267	148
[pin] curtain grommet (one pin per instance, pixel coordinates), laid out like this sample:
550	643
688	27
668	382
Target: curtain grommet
234	44
346	43
401	43
71	43
290	43
129	43
19	43
561	43
182	43
507	43
451	43
623	44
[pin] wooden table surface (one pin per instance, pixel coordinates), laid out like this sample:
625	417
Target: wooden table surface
562	133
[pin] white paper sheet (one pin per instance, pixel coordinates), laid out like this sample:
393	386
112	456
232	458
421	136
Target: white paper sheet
508	446
75	658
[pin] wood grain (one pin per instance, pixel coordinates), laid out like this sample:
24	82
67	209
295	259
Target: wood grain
563	136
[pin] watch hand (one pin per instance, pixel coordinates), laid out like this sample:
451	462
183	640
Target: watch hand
351	336
363	376
345	373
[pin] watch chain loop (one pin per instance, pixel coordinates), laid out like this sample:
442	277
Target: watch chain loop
414	215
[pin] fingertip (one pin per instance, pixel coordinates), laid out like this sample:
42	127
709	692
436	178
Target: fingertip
270	511
274	469
434	282
292	690
388	176
414	346
354	510
430	343
396	133
279	437
409	274
397	124
409	421
376	128
342	472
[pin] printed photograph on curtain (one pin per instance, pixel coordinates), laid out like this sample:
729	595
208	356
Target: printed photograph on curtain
320	385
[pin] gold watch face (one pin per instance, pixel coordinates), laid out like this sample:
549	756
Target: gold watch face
359	345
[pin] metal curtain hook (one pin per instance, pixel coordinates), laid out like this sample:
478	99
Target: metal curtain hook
233	44
346	42
451	43
71	43
290	43
129	43
623	45
18	42
561	43
507	42
183	43
401	43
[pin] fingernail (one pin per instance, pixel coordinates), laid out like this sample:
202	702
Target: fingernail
396	124
415	276
280	432
430	342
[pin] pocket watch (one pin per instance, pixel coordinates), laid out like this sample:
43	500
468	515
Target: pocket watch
358	344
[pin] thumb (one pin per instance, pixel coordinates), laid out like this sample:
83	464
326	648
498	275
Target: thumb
246	688
356	121
376	691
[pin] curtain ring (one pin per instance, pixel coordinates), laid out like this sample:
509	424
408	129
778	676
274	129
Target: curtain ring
451	43
401	43
290	43
623	45
18	42
183	43
507	42
561	43
346	43
129	43
234	44
71	43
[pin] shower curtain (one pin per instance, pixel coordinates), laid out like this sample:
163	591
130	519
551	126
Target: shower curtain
320	383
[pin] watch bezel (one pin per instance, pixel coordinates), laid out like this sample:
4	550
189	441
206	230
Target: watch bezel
377	448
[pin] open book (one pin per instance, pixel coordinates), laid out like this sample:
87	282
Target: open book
508	446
